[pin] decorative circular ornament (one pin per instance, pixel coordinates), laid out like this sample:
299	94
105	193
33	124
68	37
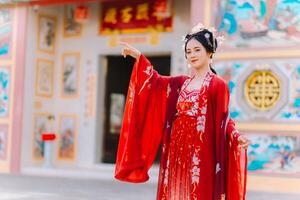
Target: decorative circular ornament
206	35
262	90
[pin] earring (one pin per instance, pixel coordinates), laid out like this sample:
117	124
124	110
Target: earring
210	61
189	66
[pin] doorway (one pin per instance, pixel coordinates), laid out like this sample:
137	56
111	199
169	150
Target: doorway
116	85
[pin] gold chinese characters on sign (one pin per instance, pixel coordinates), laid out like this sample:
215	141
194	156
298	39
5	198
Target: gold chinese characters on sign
262	90
135	17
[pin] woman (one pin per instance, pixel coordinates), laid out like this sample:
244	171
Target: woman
203	156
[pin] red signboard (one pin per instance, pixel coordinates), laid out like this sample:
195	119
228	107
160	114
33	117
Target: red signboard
135	17
48	136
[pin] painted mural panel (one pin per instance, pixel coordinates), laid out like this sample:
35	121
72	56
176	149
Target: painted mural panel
71	27
274	154
70	75
39	126
288	73
5	81
6	28
3	141
44	78
259	23
292	110
230	72
67	137
46	33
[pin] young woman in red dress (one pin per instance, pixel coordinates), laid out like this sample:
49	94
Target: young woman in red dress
203	155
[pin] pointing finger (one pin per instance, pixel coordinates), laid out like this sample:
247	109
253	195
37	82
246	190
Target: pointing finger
125	44
124	54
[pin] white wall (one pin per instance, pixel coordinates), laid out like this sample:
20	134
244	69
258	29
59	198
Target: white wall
91	47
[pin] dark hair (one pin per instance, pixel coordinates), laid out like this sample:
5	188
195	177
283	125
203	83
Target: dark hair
206	38
212	69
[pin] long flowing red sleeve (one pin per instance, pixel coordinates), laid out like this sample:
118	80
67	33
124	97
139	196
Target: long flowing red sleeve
231	130
236	165
231	161
143	122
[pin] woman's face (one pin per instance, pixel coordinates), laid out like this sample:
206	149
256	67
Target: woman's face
196	54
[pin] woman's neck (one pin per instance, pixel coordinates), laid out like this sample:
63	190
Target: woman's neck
200	73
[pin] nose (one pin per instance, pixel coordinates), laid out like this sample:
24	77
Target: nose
193	54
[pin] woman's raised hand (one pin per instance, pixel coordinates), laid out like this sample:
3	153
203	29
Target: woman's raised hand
243	141
129	50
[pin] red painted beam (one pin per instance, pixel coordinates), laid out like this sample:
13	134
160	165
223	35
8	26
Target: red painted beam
55	2
51	2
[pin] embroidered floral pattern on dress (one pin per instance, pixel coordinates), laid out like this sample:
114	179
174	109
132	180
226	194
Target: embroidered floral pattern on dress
166	173
168	125
218	168
203	110
201	123
195	171
181	176
235	133
148	70
168	90
188	101
201	117
131	93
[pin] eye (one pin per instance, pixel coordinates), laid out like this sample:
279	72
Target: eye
198	49
188	52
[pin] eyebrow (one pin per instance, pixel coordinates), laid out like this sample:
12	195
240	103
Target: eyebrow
194	48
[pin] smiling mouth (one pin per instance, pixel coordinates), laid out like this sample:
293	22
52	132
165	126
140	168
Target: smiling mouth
194	60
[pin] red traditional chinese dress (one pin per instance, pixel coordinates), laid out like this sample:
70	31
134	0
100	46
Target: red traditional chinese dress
200	156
